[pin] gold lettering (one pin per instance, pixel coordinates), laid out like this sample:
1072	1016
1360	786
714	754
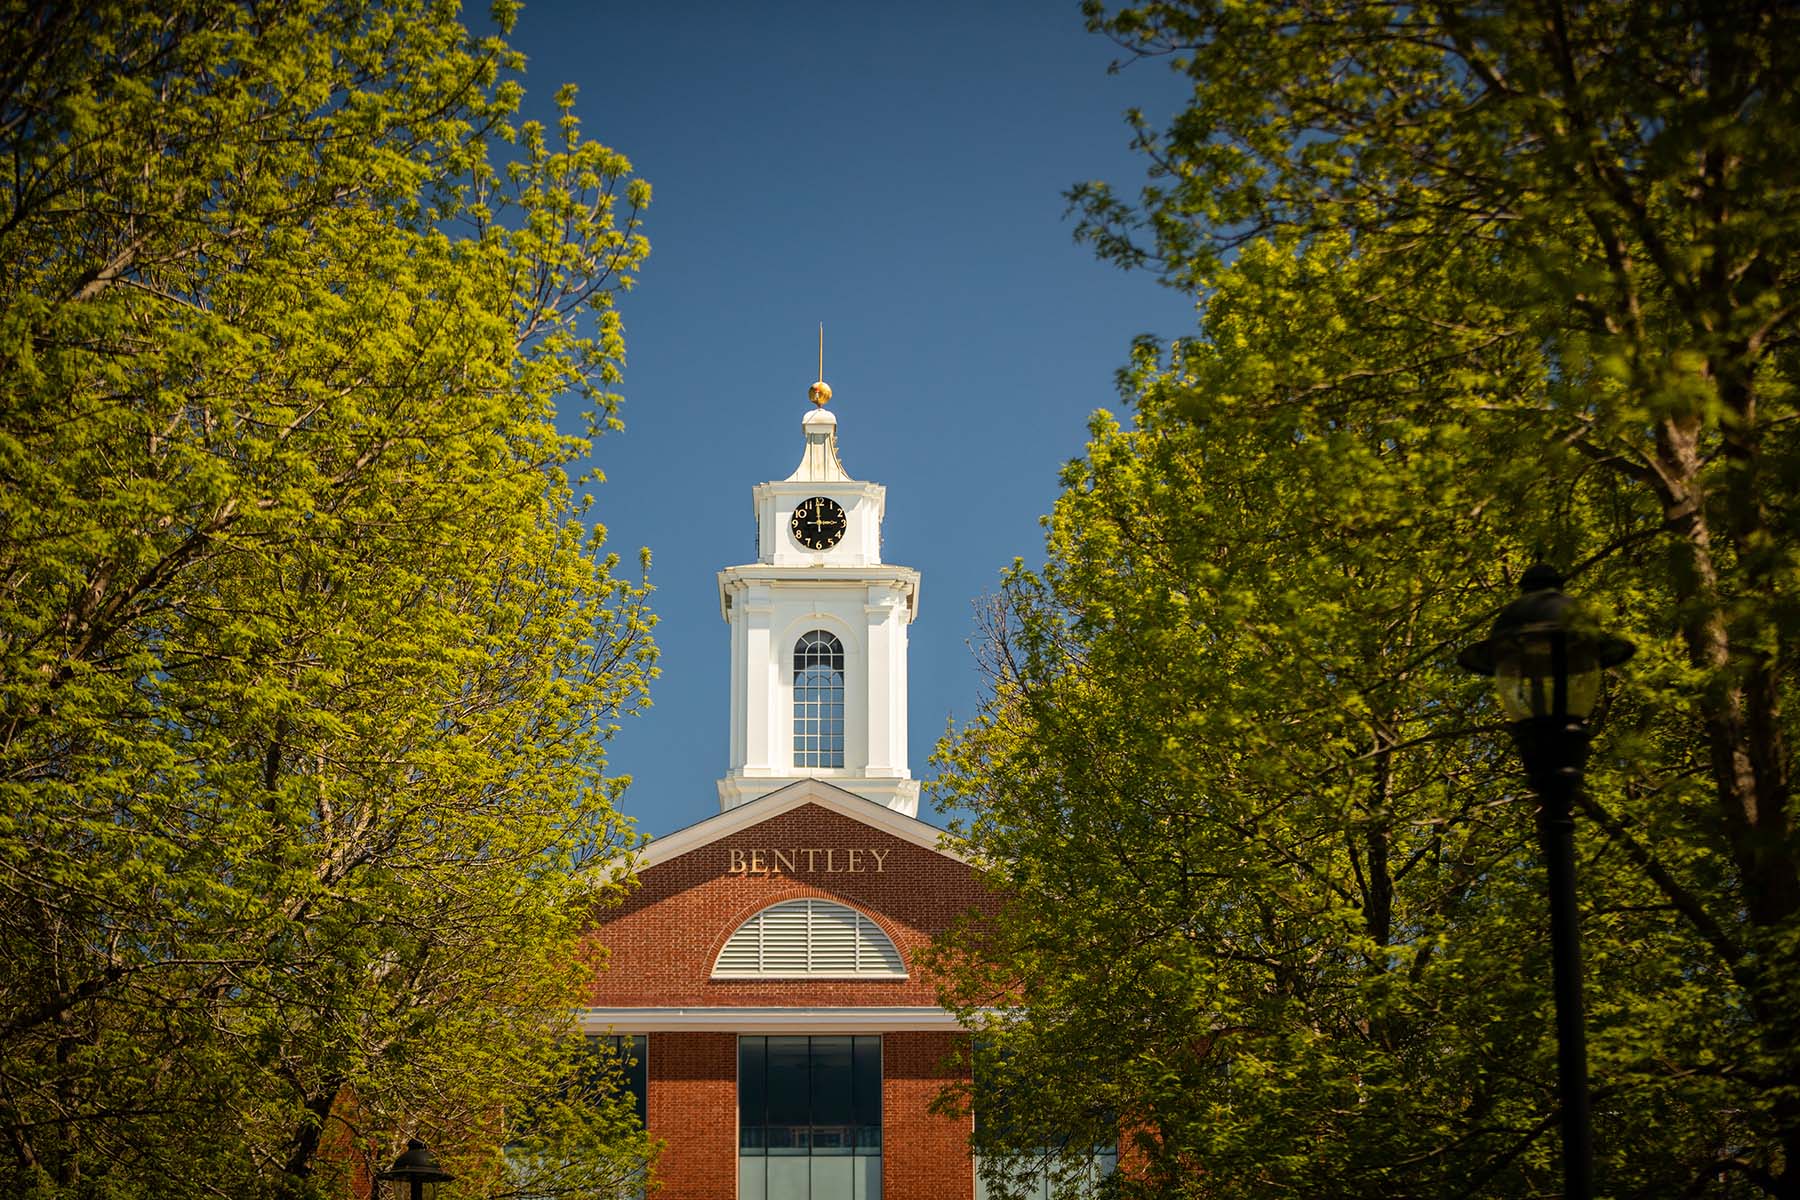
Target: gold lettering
769	861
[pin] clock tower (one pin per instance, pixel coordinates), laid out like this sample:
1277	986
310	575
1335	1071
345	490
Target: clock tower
818	636
765	978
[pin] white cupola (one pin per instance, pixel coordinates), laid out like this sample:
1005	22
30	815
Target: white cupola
818	636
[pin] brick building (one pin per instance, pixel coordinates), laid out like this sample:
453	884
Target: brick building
765	967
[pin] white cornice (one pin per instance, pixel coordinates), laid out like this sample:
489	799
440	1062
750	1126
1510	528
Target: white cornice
882	1019
796	794
823	572
823	575
875	493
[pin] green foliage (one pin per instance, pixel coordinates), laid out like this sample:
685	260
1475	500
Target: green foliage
1478	285
308	650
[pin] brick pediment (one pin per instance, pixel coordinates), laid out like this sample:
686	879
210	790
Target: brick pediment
664	939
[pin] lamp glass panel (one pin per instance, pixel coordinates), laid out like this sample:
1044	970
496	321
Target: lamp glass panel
1525	676
407	1189
1584	690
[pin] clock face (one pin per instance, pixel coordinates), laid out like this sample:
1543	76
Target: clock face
818	523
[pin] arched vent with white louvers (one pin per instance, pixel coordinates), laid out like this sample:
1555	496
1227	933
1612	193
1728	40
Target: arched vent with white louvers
809	938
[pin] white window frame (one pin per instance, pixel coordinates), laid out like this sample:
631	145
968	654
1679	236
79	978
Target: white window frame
821	709
873	953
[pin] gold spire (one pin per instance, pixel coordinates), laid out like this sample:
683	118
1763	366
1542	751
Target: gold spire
820	392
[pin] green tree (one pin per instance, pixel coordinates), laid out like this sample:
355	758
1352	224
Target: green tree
309	650
1477	284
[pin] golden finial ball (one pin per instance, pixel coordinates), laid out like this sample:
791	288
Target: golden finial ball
819	393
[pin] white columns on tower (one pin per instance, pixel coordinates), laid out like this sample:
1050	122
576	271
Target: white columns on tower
825	576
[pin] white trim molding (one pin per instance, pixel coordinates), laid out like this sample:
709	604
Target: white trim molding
875	1019
821	792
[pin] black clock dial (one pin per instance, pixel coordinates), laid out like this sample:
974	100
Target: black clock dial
818	523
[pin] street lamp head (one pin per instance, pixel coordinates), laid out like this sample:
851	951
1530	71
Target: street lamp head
416	1168
1545	653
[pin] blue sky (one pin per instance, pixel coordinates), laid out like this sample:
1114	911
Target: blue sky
895	171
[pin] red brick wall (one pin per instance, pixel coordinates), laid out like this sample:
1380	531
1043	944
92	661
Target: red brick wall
924	1156
664	939
693	1109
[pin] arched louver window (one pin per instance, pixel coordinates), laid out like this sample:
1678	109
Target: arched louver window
809	938
818	700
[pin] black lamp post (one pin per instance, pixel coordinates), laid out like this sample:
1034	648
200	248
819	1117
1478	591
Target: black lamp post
1547	659
416	1168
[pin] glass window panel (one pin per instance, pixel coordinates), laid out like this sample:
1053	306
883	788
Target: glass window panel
821	1099
818	700
833	1178
630	1054
866	1091
635	1051
1040	1174
790	1099
786	1141
833	1115
753	1096
868	1177
789	1179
